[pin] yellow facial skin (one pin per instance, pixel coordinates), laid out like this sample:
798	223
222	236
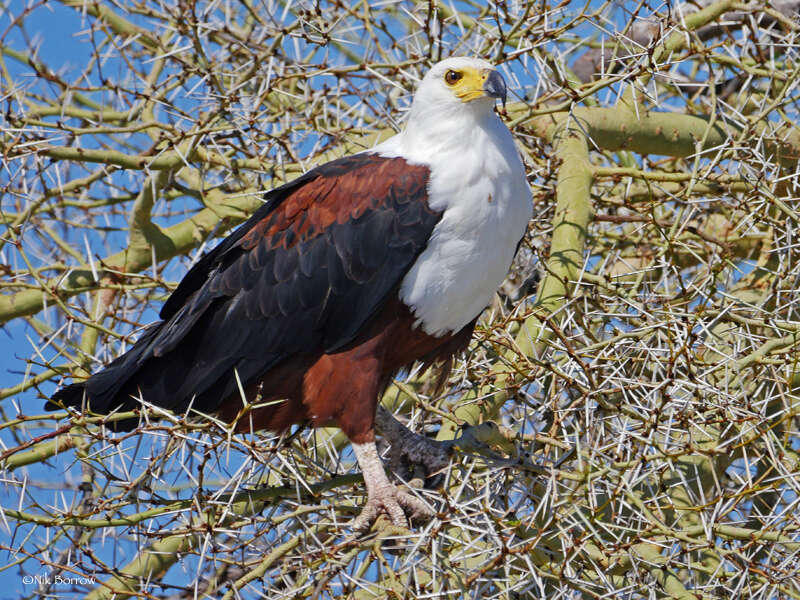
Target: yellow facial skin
469	86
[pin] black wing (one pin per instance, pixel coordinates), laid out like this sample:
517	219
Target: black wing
302	276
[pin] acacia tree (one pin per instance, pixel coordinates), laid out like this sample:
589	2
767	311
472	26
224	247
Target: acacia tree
624	422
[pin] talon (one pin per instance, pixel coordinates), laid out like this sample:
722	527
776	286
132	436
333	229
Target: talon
409	449
401	507
383	497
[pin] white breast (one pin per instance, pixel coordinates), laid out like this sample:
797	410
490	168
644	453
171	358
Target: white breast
480	185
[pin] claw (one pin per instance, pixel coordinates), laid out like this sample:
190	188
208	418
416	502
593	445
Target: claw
409	449
401	507
383	497
432	456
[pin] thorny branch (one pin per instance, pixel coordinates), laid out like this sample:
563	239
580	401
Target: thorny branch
625	421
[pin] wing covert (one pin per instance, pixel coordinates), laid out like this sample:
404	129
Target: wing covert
303	275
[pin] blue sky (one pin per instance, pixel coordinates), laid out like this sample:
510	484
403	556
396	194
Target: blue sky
61	47
55	29
53	26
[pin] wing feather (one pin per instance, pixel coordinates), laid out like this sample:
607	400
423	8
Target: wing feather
303	275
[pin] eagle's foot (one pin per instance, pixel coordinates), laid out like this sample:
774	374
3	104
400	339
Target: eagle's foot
401	507
383	497
409	450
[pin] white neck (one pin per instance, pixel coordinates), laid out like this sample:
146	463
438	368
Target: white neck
436	133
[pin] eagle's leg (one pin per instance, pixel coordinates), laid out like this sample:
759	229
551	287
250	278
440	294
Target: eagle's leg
409	448
382	495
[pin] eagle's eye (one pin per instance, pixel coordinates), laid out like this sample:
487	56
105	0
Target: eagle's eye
453	77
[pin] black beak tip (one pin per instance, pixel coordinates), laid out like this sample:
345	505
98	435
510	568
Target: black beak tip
495	86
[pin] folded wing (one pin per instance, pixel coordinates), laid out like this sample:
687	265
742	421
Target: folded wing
301	277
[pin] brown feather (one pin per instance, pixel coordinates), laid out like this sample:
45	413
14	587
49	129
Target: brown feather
342	388
313	208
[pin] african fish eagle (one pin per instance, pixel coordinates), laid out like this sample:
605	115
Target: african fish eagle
344	276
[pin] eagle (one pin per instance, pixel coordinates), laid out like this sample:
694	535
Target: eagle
346	275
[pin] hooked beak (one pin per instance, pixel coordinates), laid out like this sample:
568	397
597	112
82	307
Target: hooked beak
495	86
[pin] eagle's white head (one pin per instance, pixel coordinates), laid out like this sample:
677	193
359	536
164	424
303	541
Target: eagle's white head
459	84
453	108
